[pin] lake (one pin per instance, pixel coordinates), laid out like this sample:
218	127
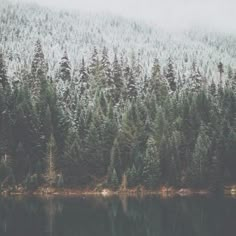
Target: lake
123	216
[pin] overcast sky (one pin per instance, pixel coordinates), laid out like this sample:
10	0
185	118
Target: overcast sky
218	14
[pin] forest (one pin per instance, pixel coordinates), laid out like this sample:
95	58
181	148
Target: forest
107	121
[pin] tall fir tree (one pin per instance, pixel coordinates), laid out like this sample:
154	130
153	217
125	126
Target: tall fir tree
50	175
131	86
83	79
65	68
3	71
39	70
117	78
170	75
151	168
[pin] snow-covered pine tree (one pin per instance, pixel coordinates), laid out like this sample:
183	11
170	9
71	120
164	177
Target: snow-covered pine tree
233	82
157	84
131	86
39	70
220	69
65	68
195	78
106	70
106	65
65	79
153	84
212	88
83	78
117	78
3	71
94	62
170	75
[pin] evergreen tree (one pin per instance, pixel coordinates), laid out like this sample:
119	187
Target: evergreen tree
106	67
116	76
65	68
114	182
115	162
151	169
71	164
39	70
50	176
3	71
132	176
212	88
221	69
201	158
170	75
83	79
158	85
21	165
131	87
233	82
94	63
195	78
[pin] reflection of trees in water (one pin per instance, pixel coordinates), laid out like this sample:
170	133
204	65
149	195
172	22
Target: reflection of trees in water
117	217
170	217
19	215
124	203
53	207
5	212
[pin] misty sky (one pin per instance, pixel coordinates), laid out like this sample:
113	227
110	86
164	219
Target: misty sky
217	14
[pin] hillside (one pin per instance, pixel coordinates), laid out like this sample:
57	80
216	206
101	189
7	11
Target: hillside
22	24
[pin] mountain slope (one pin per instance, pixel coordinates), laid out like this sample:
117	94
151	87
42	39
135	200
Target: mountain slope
22	24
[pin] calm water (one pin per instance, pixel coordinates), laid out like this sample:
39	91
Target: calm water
118	217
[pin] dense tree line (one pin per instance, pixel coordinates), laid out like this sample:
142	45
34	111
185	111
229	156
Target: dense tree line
106	124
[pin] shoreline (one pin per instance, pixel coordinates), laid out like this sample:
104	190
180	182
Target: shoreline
163	192
73	192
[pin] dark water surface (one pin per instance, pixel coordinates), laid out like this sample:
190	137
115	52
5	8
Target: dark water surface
198	216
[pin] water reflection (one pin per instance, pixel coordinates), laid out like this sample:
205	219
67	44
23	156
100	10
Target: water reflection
122	216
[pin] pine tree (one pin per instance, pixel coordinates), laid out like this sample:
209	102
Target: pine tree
131	86
71	160
212	88
233	82
158	85
65	68
5	126
132	176
151	169
21	165
3	71
39	70
170	75
115	162
221	69
114	182
195	78
200	163
230	73
106	65
118	83
65	85
83	79
94	63
156	69
216	175
50	175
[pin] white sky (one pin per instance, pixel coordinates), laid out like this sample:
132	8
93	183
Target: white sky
217	14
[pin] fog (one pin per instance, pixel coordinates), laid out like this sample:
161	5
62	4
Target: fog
172	14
